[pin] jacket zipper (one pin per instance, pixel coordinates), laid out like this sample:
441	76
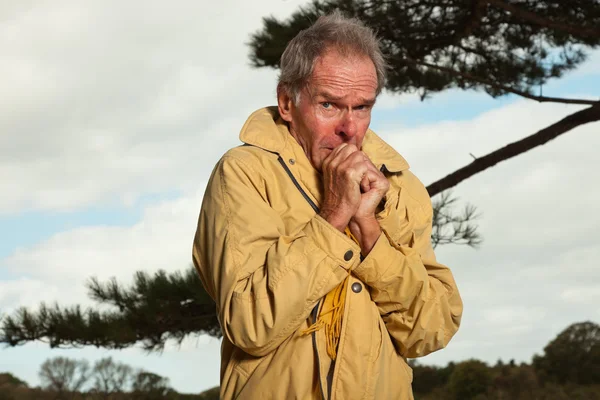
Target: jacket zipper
315	310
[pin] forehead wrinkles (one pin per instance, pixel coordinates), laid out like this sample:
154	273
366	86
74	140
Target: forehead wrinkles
335	81
333	65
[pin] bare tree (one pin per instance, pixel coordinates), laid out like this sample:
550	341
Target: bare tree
64	376
110	377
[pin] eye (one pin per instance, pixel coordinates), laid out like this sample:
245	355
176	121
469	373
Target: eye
326	104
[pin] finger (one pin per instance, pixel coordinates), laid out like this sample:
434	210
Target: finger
346	151
343	152
357	158
335	151
377	180
355	168
371	175
373	167
365	184
329	162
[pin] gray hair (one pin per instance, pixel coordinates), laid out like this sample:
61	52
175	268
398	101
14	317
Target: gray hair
349	36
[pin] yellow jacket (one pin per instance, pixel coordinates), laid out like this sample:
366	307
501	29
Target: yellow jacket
267	259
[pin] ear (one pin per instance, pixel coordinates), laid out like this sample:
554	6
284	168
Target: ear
284	103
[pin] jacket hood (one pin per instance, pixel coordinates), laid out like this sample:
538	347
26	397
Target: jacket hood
265	129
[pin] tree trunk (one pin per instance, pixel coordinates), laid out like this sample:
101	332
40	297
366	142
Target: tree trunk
585	116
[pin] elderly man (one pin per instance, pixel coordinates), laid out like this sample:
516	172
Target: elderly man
314	238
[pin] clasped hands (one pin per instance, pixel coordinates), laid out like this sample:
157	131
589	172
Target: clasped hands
353	189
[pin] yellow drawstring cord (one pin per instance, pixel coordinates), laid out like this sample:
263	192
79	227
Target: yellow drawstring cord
332	311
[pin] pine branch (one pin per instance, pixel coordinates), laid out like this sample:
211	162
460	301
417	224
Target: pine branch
151	311
528	16
451	228
585	116
467	76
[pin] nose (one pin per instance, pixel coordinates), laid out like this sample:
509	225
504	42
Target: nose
346	127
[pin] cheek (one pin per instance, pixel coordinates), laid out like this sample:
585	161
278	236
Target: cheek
322	130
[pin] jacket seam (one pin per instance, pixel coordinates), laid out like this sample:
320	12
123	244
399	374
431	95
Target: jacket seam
241	161
230	230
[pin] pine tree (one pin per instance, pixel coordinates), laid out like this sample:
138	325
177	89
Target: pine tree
500	47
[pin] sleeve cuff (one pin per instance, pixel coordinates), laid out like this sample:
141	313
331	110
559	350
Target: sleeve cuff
367	271
384	264
334	243
389	220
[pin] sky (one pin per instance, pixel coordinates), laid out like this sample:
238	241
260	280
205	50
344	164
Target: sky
114	114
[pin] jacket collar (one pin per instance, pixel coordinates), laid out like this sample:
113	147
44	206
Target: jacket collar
265	129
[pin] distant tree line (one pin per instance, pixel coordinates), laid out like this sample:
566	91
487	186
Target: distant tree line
63	378
568	369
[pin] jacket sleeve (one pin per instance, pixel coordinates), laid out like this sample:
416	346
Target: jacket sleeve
264	276
417	297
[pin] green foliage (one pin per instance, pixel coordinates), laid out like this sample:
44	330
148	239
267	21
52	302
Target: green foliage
565	372
469	380
9	379
150	386
210	394
428	378
514	382
432	46
9	384
574	356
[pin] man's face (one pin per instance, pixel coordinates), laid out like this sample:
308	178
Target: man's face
335	106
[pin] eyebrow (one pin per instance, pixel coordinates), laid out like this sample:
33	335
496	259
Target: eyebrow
329	96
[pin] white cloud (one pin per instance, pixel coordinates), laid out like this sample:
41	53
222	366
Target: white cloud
62	263
99	97
582	295
26	292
